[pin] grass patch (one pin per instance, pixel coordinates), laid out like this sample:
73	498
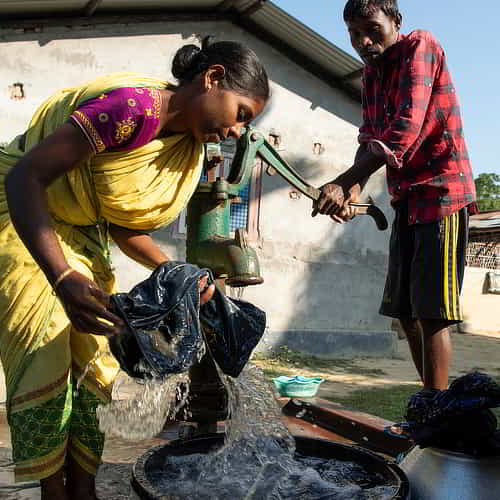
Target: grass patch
271	373
284	361
385	402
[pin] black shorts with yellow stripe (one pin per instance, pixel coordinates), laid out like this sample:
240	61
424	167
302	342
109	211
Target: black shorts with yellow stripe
426	267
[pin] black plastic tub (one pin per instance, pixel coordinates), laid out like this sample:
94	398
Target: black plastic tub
154	459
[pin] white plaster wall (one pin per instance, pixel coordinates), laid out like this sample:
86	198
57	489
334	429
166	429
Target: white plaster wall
480	309
319	276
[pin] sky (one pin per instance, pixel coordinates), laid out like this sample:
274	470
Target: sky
468	32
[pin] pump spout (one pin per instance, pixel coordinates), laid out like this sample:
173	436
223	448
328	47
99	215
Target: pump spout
232	259
209	244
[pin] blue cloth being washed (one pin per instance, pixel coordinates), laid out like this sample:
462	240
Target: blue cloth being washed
459	418
169	330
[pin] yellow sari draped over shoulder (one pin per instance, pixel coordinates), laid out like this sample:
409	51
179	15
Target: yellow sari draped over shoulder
144	189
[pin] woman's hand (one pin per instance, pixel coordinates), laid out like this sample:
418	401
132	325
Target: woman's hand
206	291
86	305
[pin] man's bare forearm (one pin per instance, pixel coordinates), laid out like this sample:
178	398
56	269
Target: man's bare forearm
365	165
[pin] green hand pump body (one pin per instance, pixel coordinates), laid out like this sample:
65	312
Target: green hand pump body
209	243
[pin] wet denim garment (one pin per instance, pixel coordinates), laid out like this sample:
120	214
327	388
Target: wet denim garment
169	331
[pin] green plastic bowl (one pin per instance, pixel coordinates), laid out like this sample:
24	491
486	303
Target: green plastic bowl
305	387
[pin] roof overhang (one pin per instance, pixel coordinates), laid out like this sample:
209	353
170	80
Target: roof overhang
485	222
260	17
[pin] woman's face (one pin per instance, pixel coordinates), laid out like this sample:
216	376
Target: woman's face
217	113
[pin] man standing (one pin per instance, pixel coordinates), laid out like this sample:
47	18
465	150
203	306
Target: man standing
411	124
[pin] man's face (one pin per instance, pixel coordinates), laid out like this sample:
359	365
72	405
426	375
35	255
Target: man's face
371	36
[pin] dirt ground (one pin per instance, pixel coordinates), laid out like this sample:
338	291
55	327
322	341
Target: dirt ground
470	352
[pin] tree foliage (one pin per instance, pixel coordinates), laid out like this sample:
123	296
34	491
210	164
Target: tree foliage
488	191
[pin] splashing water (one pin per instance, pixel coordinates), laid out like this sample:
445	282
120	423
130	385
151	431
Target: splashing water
256	462
88	368
258	459
281	477
143	417
253	410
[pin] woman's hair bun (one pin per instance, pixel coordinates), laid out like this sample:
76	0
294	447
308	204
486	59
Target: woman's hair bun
244	73
185	60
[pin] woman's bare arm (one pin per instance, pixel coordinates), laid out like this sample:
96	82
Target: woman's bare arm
142	248
138	246
25	187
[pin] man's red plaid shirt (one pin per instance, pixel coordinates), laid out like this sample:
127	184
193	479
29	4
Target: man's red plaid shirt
411	116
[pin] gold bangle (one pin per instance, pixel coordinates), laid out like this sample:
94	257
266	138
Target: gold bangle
63	275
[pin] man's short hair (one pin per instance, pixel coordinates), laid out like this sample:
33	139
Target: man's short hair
365	8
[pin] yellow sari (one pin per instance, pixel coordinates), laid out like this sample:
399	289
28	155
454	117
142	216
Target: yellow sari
41	354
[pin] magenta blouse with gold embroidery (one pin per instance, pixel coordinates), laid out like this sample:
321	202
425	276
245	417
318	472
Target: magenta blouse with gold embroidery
121	119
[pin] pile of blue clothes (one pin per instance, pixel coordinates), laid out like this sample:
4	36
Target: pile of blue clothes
168	330
457	419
